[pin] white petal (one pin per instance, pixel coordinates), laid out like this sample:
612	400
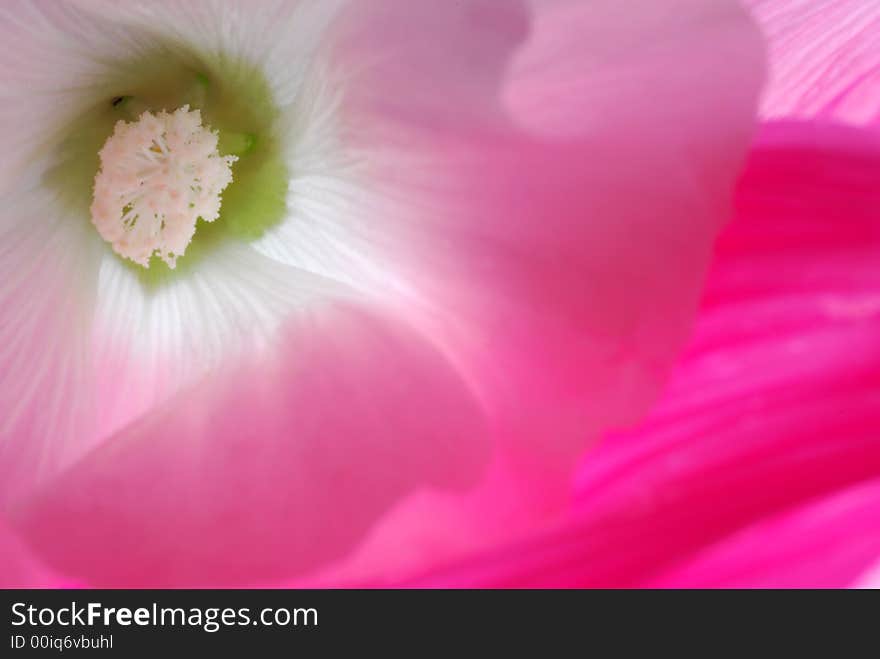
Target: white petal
86	346
48	270
279	36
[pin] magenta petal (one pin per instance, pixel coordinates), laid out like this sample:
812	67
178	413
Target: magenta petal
274	468
828	544
870	579
773	414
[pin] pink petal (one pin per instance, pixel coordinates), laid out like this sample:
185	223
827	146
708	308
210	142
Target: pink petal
870	579
558	276
47	275
18	568
826	544
824	58
563	273
775	406
277	466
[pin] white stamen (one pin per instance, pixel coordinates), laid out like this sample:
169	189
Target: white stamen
158	176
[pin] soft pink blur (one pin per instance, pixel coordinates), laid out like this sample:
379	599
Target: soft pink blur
548	265
824	59
760	467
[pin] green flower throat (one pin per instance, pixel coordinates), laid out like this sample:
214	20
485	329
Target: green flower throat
233	98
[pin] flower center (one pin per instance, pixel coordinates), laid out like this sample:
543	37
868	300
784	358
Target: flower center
157	133
159	175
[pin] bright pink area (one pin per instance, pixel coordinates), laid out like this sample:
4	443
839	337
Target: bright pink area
825	543
774	407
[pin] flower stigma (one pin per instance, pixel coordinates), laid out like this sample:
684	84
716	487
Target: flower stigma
159	175
170	156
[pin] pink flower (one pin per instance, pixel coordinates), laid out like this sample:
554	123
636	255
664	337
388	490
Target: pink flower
460	241
760	465
823	59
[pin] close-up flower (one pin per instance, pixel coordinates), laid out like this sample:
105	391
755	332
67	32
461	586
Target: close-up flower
485	293
759	467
